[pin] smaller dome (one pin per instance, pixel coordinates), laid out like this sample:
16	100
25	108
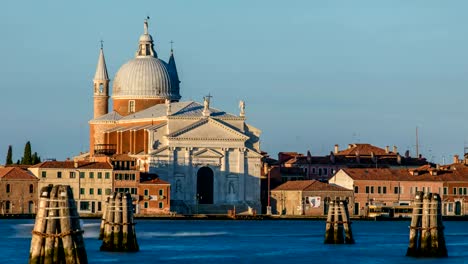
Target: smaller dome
146	38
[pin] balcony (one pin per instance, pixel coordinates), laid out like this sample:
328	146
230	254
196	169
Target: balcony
105	149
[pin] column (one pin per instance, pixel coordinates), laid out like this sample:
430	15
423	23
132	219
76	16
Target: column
189	193
224	171
241	171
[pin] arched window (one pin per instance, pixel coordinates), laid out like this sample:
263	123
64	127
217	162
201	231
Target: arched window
8	189
131	106
31	188
101	88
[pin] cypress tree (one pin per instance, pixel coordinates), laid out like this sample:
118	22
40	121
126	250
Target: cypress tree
9	158
35	159
27	157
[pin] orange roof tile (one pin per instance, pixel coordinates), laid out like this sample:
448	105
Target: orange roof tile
13	173
308	185
71	165
457	174
363	149
154	181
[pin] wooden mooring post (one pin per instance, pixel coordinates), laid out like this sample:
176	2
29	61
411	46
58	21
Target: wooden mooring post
338	228
117	226
426	230
57	236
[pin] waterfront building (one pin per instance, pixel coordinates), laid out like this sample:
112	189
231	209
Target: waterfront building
359	155
155	196
397	187
209	156
18	191
309	197
91	182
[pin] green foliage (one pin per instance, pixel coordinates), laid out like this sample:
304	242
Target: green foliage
27	157
9	158
35	159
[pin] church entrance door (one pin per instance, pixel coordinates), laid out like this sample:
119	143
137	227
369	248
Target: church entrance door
205	185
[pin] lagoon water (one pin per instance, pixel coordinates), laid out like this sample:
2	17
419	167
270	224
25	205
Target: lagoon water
199	241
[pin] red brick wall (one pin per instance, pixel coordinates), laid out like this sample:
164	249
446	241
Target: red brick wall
153	205
121	105
19	196
101	105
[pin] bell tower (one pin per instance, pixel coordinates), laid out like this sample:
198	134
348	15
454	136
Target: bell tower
101	86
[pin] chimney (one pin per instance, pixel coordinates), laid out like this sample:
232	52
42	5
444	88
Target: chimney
350	146
387	149
456	159
337	148
75	164
395	150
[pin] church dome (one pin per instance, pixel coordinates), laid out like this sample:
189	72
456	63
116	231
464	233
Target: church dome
146	76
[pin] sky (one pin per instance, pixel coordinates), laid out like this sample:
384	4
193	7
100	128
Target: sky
312	73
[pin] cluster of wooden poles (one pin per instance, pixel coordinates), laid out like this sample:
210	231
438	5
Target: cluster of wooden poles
338	228
117	227
426	230
57	235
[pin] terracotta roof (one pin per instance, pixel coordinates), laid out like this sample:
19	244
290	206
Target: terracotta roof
21	166
13	173
351	160
71	165
363	149
321	186
458	173
154	181
309	185
122	157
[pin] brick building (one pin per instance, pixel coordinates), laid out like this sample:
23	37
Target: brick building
309	197
394	187
18	191
92	182
355	156
155	196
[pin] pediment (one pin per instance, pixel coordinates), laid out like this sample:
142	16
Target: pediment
207	129
162	152
253	154
207	153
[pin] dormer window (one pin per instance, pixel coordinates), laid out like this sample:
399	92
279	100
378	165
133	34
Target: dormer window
131	106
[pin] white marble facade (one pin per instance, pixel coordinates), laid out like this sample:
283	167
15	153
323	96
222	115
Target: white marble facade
190	140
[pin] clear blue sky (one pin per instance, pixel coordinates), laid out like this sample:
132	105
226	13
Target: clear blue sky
312	73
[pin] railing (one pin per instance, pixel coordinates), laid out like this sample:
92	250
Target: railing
105	149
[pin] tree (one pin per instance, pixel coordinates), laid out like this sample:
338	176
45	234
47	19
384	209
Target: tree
9	157
27	157
35	159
